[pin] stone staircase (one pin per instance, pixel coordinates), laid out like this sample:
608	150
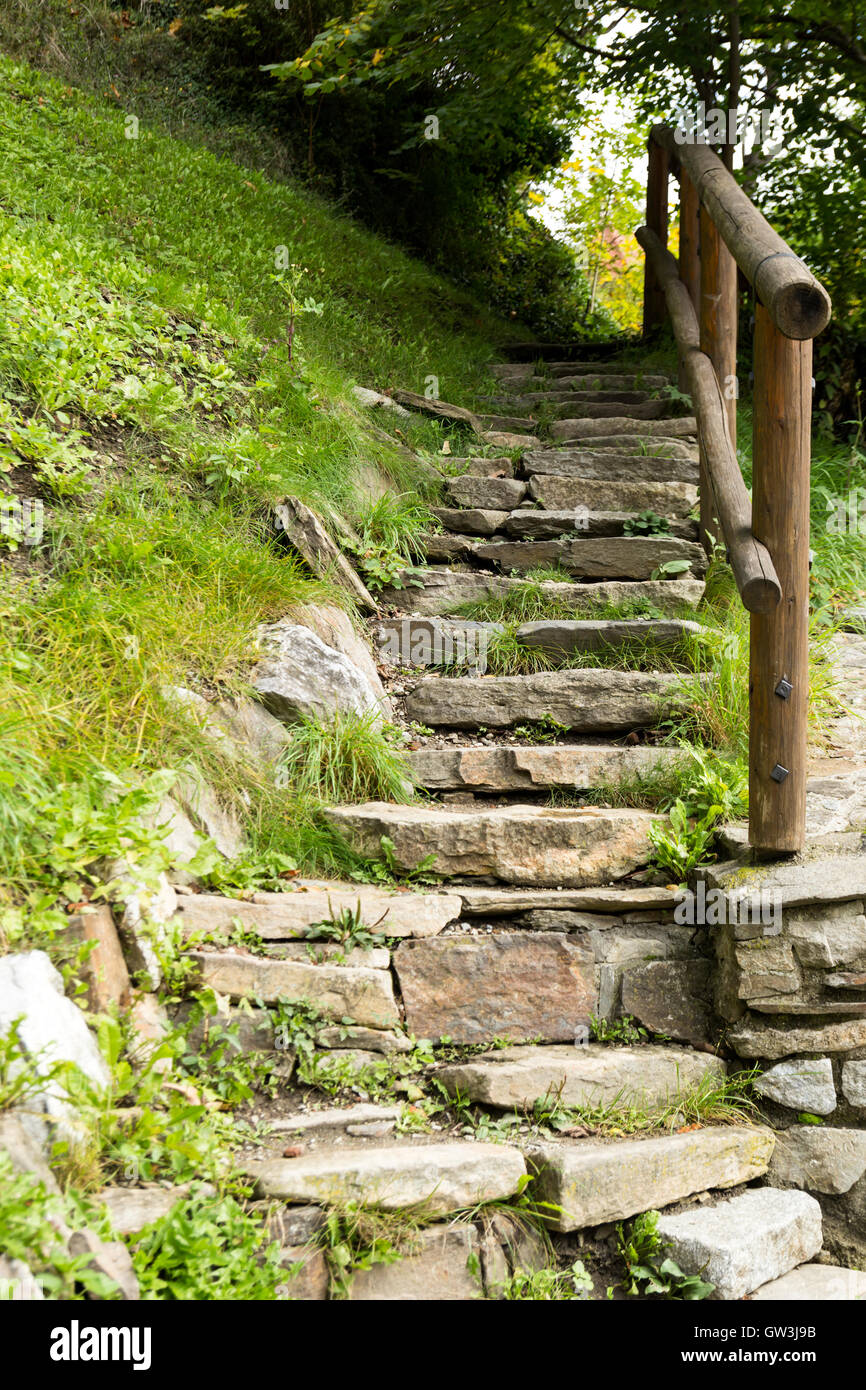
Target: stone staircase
538	921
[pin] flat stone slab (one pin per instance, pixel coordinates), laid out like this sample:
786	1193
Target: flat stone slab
519	767
601	395
470	521
593	1183
481	467
814	1284
589	700
441	548
539	524
438	592
743	1243
534	845
819	1158
339	991
564	637
288	916
497	901
602	381
821	878
608	557
755	1038
408	642
486	494
623	425
612	466
438	1178
514	1078
583	409
673	499
801	1084
507	985
335	1118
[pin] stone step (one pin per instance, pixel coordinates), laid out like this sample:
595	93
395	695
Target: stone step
337	991
444	548
514	1078
288	916
593	1182
574	367
501	467
438	592
487	494
434	1178
558	492
656	445
493	768
519	844
564	638
590	700
650	410
482	900
421	642
509	423
610	466
458	543
608	557
814	1284
598	396
741	1244
469	521
529	523
528	383
624	425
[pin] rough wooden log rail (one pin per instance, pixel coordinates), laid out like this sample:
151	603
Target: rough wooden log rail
768	537
796	302
756	577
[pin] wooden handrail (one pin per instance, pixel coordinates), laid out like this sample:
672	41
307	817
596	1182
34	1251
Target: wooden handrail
796	302
768	537
756	577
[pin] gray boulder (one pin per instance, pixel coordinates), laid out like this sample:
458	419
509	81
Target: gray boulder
50	1030
299	676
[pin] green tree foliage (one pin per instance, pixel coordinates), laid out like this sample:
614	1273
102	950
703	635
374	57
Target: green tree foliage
429	125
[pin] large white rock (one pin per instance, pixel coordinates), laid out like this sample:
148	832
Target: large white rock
819	1159
854	1083
298	675
49	1029
743	1243
800	1084
438	1178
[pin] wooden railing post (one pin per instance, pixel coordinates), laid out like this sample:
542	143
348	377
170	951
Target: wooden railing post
779	657
690	230
689	264
658	169
718	319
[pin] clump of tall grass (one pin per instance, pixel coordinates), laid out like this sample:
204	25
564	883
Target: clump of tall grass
346	758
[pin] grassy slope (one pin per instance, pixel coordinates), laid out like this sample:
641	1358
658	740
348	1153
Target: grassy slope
148	396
